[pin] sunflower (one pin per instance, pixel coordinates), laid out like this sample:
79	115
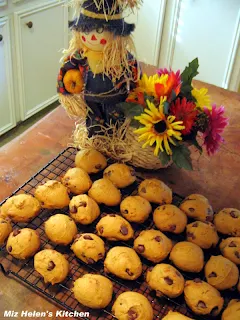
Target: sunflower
158	129
202	98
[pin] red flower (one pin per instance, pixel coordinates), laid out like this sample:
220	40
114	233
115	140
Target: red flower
217	123
174	81
184	111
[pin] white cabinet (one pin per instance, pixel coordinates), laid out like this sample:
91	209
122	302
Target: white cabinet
7	107
33	34
41	34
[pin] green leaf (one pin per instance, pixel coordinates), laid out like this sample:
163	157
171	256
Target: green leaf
135	124
131	109
147	97
197	145
190	72
166	107
181	157
164	158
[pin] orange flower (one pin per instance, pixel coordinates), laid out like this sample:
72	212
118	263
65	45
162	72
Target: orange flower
172	84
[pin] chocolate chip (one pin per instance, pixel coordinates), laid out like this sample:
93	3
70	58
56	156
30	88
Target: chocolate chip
172	227
125	211
191	209
129	272
232	244
214	311
3	221
70	219
191	235
90	261
16	232
158	238
140	248
101	230
233	214
132	314
164	207
143	190
201	304
100	255
87	237
109	173
9	249
209	218
212	275
195	225
197	280
73	209
51	266
98	166
83	204
150	269
112	215
237	254
124	230
133	173
168	280
42	203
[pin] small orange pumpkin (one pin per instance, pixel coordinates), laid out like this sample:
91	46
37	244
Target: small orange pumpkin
73	81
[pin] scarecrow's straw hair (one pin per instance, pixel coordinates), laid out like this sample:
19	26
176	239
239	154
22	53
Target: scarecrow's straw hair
115	56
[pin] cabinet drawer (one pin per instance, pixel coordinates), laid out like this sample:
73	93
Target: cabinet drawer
41	34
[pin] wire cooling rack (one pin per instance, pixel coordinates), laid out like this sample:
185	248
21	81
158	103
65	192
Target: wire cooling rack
61	294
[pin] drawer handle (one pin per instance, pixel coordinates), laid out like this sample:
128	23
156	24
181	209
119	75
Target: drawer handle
29	24
1	38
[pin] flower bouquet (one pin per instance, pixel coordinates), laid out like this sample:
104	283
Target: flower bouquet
169	115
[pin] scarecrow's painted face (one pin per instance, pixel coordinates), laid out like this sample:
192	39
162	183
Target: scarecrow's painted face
97	39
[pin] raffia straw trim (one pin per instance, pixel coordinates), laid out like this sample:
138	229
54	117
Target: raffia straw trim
123	4
119	144
74	105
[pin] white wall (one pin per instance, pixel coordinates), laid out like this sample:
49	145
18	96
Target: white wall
147	36
209	30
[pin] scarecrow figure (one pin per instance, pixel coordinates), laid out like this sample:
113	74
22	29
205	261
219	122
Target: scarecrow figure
98	69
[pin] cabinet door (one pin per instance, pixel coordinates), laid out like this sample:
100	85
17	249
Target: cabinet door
7	109
41	34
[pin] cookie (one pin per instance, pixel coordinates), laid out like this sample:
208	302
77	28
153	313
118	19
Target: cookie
230	249
197	207
123	262
203	234
153	245
84	209
155	191
52	195
60	229
5	229
232	312
90	161
172	315
202	298
135	209
221	273
132	305
21	208
114	227
88	247
93	291
187	256
120	175
77	181
227	221
23	243
165	279
103	191
51	265
170	218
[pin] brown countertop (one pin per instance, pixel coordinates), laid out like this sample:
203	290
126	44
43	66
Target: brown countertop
217	177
